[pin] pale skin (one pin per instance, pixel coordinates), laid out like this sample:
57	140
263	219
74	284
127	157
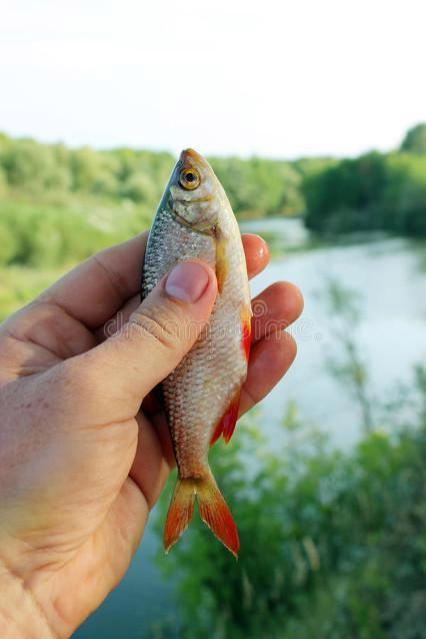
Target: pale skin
81	461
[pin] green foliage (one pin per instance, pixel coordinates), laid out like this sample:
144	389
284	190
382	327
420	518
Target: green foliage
370	193
345	197
258	187
93	172
33	167
3	183
48	194
333	544
415	140
58	205
403	199
55	234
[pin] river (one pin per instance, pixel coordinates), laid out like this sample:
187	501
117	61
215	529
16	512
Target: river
389	275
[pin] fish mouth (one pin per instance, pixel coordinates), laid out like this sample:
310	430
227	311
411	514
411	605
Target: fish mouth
195	200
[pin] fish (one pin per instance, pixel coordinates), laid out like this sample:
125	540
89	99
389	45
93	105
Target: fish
195	221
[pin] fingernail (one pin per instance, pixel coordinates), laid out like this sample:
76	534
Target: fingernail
187	281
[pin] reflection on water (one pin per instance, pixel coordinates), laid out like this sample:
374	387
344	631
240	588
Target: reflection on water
281	234
392	336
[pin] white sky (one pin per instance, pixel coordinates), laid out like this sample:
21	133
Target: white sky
271	77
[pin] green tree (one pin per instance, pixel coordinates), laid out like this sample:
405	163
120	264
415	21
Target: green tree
94	172
28	165
403	203
345	196
415	140
257	187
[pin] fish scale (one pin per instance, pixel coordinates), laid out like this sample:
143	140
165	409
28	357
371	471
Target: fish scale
195	221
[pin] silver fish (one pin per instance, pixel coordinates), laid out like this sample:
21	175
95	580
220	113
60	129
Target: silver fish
201	396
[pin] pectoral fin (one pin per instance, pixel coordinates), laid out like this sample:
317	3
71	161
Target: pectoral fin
222	266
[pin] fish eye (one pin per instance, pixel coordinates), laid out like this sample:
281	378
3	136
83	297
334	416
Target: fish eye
189	179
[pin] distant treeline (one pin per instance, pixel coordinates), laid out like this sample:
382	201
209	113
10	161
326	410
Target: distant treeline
256	187
373	192
58	205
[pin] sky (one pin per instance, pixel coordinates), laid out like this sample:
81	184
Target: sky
274	78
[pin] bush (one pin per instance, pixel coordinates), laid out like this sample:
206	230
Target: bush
43	235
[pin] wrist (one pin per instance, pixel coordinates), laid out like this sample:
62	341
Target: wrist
20	615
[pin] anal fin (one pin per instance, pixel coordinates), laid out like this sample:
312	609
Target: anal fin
226	424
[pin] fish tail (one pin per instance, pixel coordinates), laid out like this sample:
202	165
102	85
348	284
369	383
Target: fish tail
212	508
180	511
216	514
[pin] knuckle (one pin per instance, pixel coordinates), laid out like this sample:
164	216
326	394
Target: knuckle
163	329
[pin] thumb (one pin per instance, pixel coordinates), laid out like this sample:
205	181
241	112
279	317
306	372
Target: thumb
158	335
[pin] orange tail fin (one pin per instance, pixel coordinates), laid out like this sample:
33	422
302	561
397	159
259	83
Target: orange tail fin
212	508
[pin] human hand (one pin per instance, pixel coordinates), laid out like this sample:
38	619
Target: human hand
81	463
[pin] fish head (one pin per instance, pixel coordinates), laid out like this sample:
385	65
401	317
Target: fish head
194	192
